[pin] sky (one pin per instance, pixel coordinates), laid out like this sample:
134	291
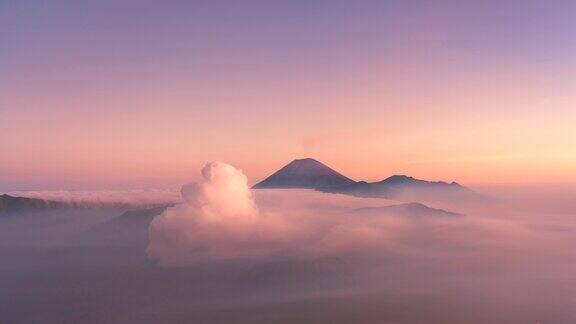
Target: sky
111	94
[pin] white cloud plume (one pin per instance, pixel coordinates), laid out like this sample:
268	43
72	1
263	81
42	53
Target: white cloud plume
218	219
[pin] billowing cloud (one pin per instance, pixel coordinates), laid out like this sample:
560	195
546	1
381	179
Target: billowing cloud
218	219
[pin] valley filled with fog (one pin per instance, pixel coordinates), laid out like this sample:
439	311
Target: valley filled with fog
227	254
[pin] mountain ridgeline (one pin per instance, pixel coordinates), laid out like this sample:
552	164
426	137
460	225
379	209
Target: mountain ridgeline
14	205
311	174
11	204
406	209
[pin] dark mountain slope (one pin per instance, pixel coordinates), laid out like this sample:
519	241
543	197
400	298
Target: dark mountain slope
408	209
401	187
11	204
304	173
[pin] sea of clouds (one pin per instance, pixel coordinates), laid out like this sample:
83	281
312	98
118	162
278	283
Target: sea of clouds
221	252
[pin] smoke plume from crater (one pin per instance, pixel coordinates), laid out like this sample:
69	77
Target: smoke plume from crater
218	219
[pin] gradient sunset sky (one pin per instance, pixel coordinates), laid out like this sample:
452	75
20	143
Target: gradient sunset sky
99	94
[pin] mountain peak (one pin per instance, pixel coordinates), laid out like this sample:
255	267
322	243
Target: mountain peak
398	179
401	180
306	162
304	173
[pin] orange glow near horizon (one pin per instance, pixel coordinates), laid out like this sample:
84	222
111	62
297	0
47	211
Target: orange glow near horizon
442	97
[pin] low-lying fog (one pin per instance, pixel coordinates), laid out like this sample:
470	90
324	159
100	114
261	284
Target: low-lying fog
227	254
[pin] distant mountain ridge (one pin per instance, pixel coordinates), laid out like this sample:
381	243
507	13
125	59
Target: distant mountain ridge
15	204
311	174
12	204
305	173
407	209
401	187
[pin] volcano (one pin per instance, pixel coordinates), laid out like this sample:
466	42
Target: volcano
305	173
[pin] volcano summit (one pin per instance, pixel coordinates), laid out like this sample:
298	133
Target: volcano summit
305	173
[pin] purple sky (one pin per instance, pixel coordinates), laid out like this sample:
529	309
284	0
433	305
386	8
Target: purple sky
110	93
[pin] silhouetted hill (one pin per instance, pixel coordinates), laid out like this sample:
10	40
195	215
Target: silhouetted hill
304	173
401	187
11	204
408	209
16	204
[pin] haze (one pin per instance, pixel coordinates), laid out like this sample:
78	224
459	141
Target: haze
100	94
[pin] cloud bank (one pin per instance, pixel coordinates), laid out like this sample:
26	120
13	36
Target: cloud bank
139	197
290	256
220	219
